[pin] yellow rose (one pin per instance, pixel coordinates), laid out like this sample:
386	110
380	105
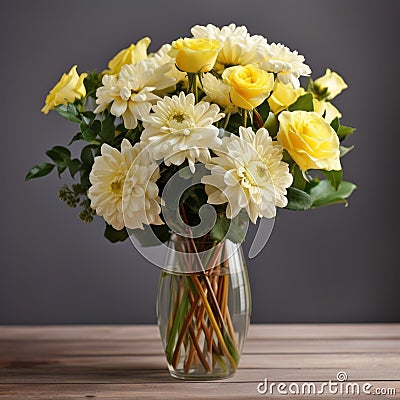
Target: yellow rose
130	55
195	55
309	139
250	85
283	96
69	88
333	82
325	107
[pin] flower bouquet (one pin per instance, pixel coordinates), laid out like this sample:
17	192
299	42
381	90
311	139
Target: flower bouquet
180	148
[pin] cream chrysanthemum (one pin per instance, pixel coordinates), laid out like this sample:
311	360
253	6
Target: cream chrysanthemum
248	174
217	91
130	93
239	48
287	64
123	188
179	129
162	58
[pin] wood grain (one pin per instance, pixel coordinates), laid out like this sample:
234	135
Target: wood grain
127	362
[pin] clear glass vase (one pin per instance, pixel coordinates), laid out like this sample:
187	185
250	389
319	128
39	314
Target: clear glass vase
203	316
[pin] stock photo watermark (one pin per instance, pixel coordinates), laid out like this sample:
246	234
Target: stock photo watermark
340	386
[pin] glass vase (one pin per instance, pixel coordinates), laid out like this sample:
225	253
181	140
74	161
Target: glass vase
203	316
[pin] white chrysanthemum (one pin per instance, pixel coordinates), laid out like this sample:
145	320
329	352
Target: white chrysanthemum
131	92
123	188
248	174
217	91
239	48
288	65
161	58
179	129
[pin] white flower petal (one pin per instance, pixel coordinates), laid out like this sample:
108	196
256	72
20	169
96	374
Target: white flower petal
248	174
122	184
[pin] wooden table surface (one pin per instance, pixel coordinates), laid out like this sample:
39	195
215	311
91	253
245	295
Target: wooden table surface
127	362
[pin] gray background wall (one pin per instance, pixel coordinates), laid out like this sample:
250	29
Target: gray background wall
331	264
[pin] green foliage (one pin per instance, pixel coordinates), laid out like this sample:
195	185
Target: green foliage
234	122
344	131
92	82
321	93
304	103
88	154
107	130
87	213
77	195
61	156
334	177
299	181
323	193
225	228
74	167
88	133
263	110
272	124
345	150
341	130
298	199
114	235
39	170
69	111
98	129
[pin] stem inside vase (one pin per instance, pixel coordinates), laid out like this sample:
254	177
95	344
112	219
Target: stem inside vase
204	316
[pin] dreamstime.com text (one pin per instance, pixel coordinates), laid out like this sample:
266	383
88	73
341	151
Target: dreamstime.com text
340	386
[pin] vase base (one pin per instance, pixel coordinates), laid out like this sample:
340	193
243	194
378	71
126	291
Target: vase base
214	376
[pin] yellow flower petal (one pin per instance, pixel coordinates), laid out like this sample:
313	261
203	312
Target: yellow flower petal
68	88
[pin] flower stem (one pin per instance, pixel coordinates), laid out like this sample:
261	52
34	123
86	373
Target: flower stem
228	117
244	115
213	320
192	78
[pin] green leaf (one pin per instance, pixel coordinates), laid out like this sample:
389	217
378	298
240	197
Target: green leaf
133	135
335	124
89	115
298	199
323	193
96	126
39	170
234	122
107	130
76	137
69	112
226	228
344	131
219	230
74	166
92	82
87	154
272	124
310	85
88	133
334	177
61	156
304	103
84	176
344	150
115	236
263	110
341	130
299	181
